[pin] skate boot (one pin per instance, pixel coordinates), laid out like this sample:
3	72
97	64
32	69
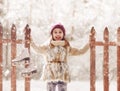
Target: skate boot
24	56
29	71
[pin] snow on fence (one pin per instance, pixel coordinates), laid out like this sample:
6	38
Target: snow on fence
14	41
106	43
93	43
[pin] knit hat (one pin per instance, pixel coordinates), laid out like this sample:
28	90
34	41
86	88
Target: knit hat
58	26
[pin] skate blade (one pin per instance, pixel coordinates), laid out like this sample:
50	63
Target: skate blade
26	60
26	74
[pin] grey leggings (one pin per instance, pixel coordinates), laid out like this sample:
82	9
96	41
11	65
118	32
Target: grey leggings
62	86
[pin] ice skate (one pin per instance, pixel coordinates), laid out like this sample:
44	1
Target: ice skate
29	71
24	56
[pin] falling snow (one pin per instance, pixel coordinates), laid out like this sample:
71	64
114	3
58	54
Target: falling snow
78	17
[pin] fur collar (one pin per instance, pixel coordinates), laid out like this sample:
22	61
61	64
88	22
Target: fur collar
58	43
63	43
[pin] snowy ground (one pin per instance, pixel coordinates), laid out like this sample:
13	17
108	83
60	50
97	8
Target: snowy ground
73	86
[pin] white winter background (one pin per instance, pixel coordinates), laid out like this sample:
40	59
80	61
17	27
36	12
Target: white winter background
78	17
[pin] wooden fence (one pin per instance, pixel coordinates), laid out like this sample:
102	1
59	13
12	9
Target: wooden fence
93	43
14	41
106	43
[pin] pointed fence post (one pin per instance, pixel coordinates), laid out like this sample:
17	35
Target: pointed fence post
118	60
92	60
27	45
106	60
13	55
1	57
93	44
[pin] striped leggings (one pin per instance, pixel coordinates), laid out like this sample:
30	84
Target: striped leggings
62	86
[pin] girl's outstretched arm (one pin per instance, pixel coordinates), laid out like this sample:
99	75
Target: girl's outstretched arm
76	51
38	49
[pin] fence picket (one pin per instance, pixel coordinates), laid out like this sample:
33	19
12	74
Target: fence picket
92	59
1	57
118	60
106	60
13	55
27	45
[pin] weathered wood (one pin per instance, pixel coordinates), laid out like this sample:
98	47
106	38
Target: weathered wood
100	43
14	43
1	57
13	55
106	60
92	59
27	83
93	43
118	60
19	41
27	45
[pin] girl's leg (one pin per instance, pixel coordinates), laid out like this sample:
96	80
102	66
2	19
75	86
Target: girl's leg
51	86
62	86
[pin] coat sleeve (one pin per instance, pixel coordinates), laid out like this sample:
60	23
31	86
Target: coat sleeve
39	49
76	51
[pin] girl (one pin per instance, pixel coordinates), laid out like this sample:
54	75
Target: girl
56	70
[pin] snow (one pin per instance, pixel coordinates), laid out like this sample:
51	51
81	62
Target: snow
37	85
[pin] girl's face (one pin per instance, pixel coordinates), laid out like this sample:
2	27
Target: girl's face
57	34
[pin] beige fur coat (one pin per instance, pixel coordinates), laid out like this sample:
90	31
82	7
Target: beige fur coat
56	53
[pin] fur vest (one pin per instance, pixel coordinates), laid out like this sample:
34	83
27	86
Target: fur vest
56	67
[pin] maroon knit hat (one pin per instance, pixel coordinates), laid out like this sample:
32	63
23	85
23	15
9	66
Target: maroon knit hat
58	26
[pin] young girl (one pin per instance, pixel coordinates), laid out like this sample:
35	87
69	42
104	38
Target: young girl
56	70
